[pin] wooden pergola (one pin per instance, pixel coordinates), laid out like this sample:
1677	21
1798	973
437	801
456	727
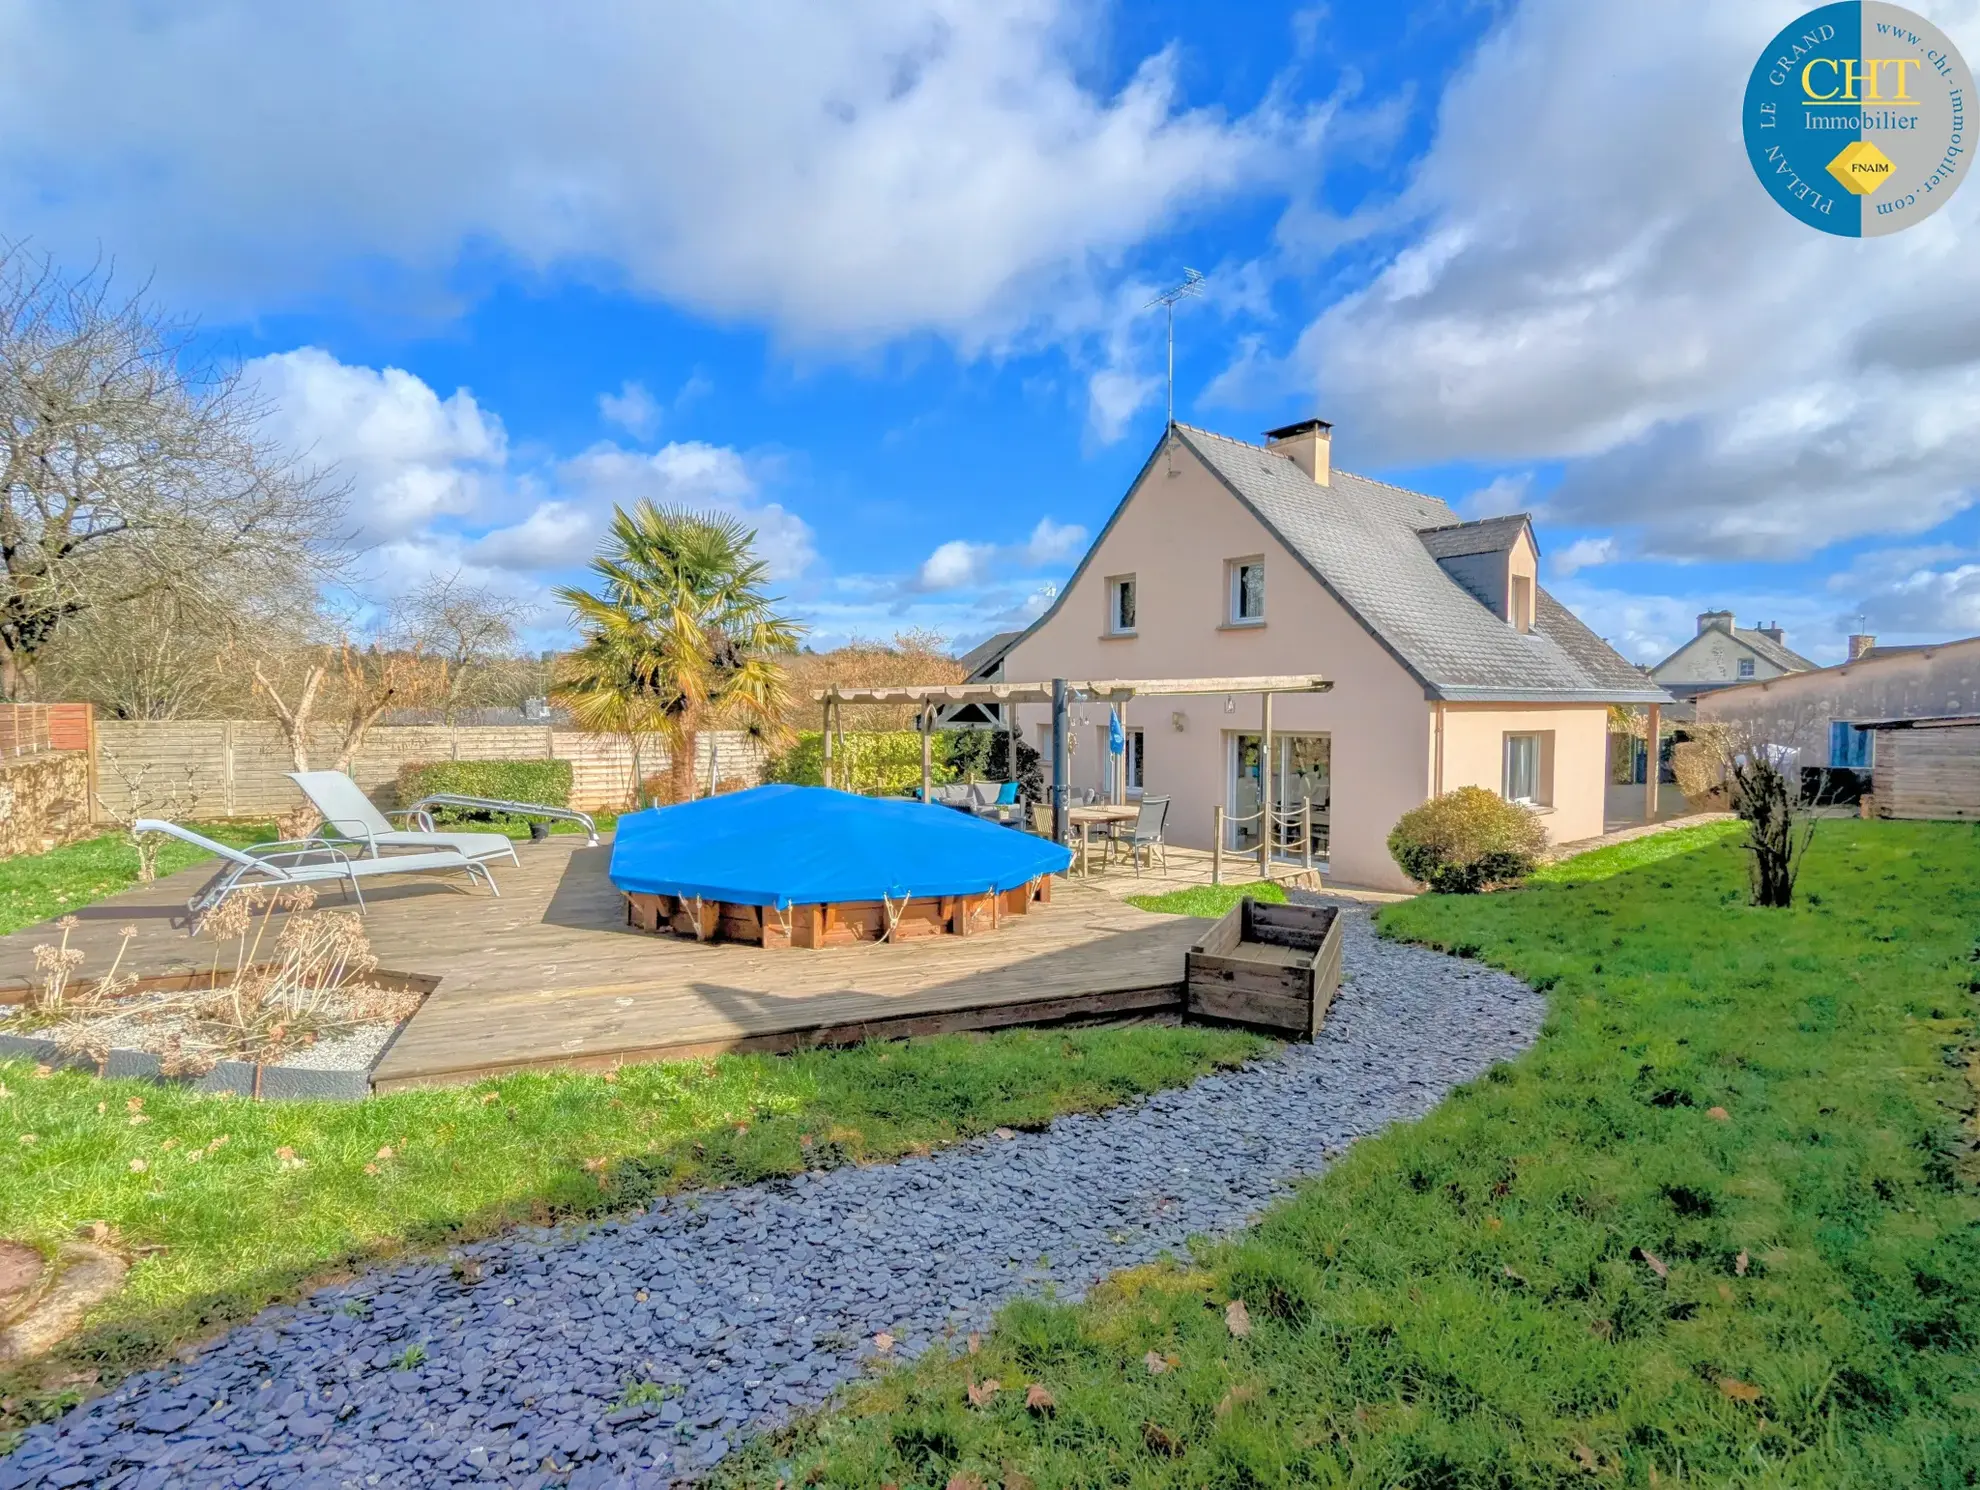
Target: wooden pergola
929	697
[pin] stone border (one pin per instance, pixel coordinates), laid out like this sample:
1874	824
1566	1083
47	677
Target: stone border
251	1079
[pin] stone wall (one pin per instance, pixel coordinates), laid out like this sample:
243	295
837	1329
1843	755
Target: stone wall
44	801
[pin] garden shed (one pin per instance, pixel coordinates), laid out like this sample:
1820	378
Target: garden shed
1926	768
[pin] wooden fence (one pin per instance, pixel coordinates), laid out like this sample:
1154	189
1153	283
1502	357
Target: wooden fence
235	767
31	729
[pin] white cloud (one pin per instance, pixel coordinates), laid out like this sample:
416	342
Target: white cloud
555	535
408	455
691	474
1913	594
847	173
1054	543
632	408
954	565
1717	377
1501	497
1582	554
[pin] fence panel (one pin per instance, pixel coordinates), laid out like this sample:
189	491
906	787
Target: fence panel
237	767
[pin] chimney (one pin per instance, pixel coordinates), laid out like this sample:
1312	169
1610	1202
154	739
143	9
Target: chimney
1772	631
1308	445
1715	620
1859	644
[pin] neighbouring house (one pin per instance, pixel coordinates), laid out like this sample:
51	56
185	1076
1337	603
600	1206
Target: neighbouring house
1826	714
983	663
1723	655
1451	665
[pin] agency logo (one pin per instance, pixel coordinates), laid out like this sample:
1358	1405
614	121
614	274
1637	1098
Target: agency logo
1856	118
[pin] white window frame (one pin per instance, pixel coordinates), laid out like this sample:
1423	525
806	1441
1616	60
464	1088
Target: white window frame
1538	740
1234	591
1746	668
1521	601
1114	585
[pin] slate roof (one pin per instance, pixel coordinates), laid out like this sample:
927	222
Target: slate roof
1787	660
1366	542
1489	535
987	654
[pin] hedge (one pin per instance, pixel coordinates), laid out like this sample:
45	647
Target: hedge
1467	840
545	782
882	763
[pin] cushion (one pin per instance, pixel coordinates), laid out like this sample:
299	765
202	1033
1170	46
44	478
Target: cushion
983	793
1008	794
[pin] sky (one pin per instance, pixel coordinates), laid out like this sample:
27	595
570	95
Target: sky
875	277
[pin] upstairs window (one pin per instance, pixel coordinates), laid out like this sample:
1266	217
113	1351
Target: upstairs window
1120	605
1746	667
1521	603
1247	592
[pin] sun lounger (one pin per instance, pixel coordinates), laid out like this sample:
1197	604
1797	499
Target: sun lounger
307	862
350	817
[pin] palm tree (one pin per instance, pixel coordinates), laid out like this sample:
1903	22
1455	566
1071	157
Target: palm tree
678	637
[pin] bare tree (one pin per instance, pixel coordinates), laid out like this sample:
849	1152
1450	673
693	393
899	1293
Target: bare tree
131	466
465	631
1766	788
147	792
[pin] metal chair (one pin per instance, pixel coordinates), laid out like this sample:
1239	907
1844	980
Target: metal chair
1148	830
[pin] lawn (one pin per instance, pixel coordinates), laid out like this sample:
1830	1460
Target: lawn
1719	1227
247	1202
36	887
1209	900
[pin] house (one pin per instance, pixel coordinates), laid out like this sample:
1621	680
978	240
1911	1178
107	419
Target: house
1451	665
1824	713
1722	655
983	663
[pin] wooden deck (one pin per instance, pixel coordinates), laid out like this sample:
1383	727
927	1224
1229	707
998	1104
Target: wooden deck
551	975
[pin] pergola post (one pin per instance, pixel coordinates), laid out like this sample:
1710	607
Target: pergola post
826	734
927	767
1058	760
1653	730
1265	787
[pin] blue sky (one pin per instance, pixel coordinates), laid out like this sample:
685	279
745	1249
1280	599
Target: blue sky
873	276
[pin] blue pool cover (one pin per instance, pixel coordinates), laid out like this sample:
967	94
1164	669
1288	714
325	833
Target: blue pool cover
803	845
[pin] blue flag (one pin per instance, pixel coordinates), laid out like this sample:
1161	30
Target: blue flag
1116	739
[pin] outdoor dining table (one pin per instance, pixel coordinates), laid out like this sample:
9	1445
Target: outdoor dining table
1083	818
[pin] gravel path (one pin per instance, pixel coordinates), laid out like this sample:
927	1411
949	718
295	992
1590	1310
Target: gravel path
742	1306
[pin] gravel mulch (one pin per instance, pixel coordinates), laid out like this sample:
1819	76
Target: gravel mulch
742	1307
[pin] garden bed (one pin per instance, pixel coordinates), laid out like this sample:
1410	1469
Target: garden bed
141	1033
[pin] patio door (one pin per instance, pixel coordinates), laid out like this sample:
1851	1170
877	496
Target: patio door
1302	767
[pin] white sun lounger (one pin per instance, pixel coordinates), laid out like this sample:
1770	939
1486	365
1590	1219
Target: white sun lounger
348	815
309	862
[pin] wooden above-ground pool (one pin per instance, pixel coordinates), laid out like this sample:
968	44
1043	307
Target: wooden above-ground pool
809	867
835	923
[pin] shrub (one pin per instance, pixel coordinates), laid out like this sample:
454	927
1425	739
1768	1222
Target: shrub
544	782
878	763
985	755
1466	840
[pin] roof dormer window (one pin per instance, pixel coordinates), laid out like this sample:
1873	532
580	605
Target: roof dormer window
1520	602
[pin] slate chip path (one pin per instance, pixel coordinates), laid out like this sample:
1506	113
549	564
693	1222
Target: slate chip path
761	1302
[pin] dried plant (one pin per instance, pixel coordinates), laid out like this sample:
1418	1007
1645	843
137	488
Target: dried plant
56	965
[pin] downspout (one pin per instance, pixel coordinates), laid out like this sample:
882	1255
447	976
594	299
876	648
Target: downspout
1437	756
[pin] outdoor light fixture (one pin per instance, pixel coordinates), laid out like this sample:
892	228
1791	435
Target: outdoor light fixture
1230	704
1180	720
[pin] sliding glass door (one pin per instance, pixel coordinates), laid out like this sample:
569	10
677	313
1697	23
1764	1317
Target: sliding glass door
1301	769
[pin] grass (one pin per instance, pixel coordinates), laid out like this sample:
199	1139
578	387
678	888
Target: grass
1209	900
229	1205
35	887
1719	1227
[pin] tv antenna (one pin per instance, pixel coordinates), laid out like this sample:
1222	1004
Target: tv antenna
1192	285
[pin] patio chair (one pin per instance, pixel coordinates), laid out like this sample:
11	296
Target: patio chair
350	816
304	862
1147	832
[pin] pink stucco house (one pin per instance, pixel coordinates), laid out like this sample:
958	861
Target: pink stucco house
1451	665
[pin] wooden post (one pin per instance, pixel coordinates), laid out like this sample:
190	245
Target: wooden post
927	767
1217	849
825	733
1059	762
1265	787
1306	830
1653	728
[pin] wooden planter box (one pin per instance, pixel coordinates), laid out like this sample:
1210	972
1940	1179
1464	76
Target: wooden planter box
1274	967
